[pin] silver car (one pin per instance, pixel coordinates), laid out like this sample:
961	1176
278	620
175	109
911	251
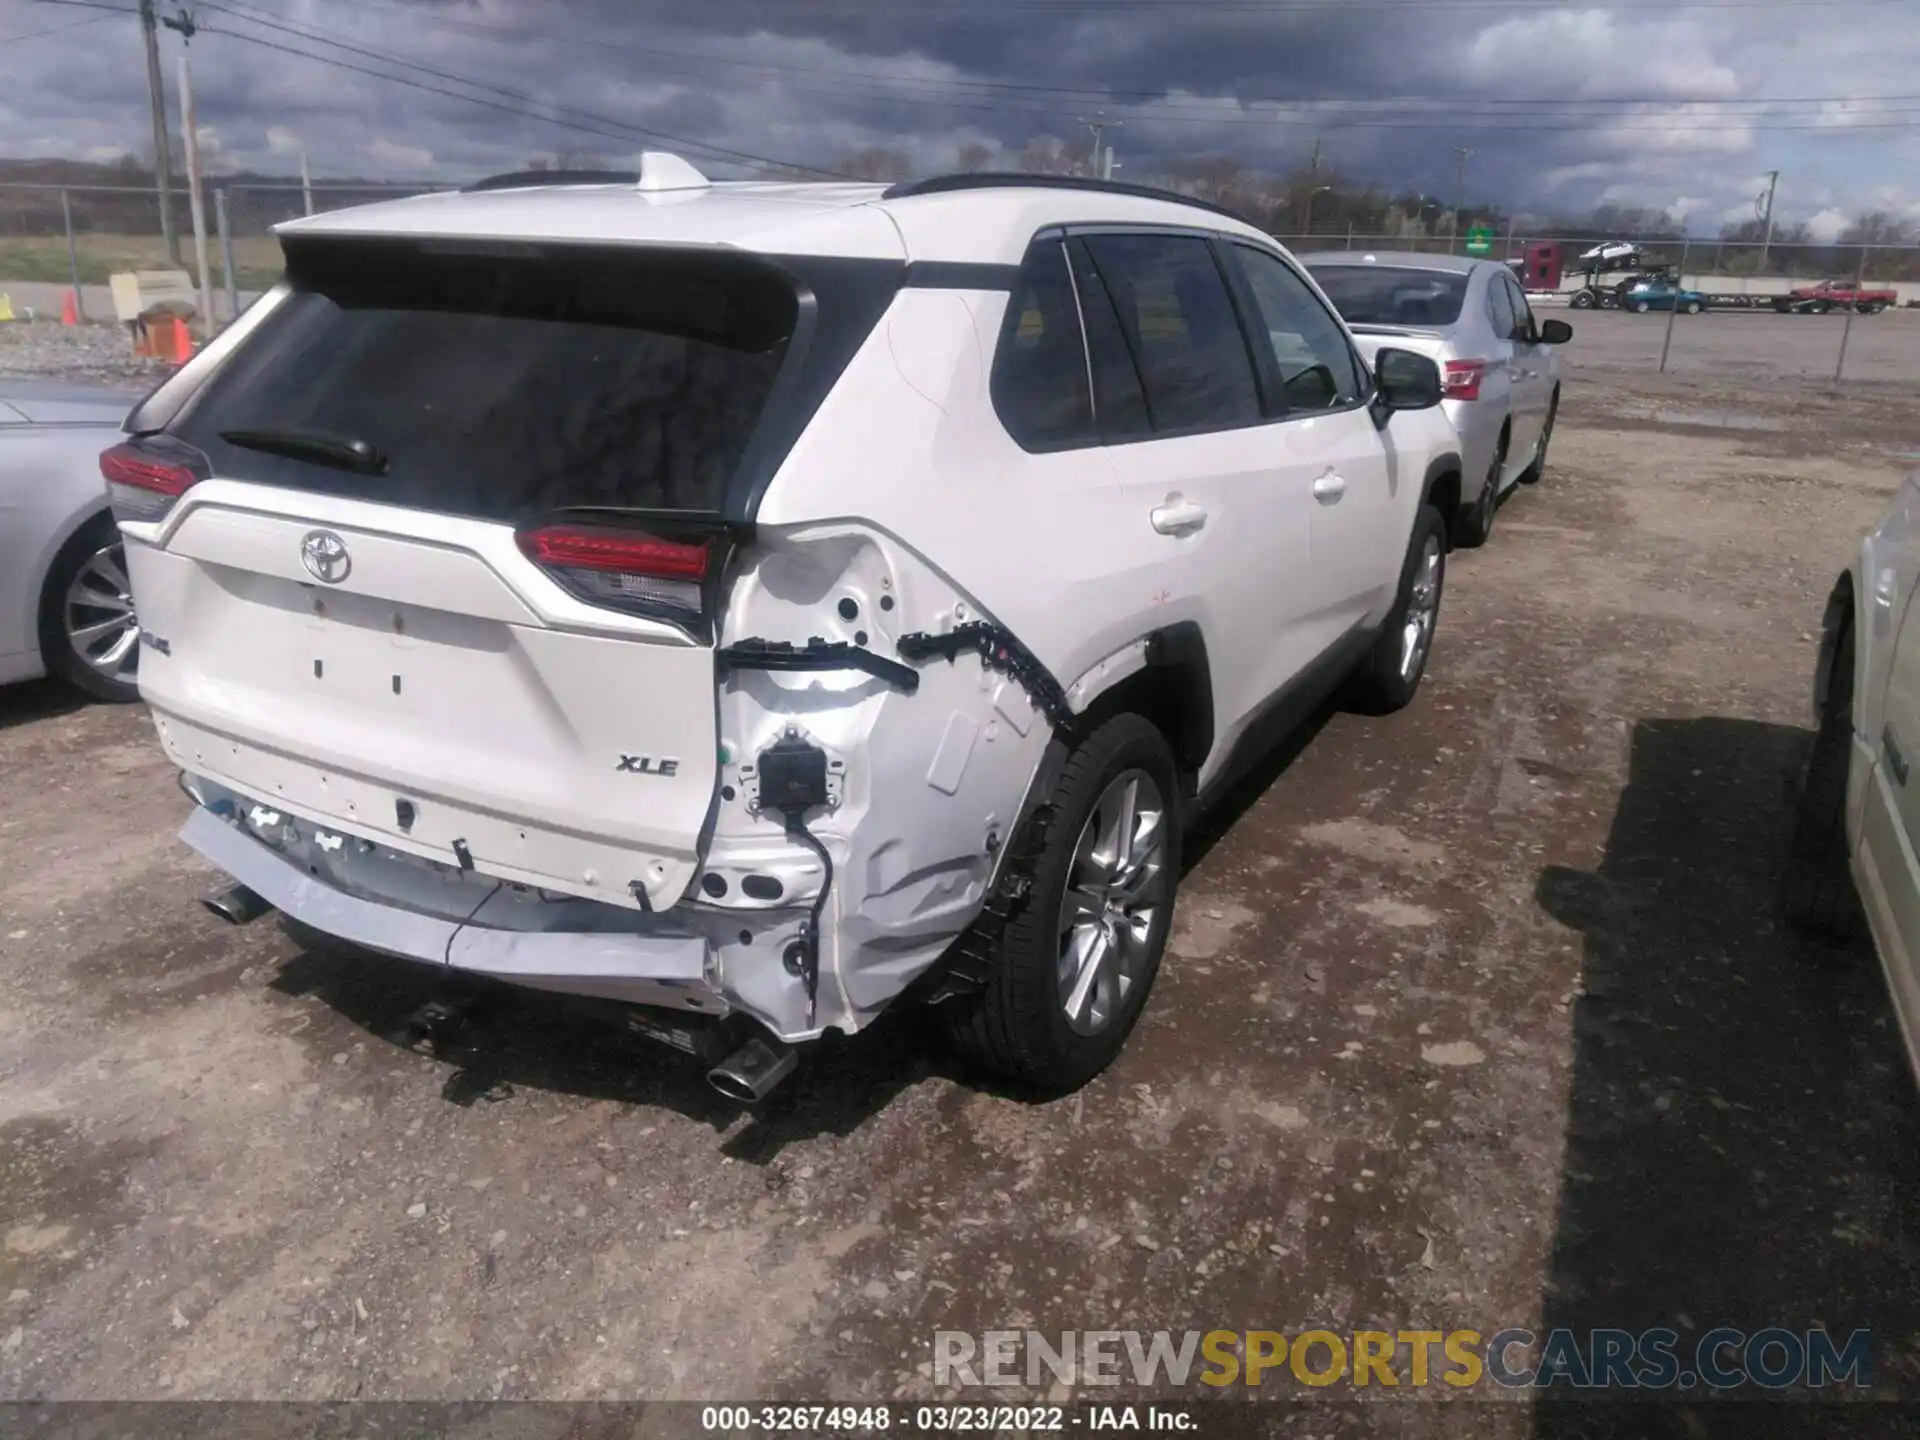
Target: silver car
65	606
1500	377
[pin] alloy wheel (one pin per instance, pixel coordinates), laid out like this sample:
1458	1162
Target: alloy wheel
1117	884
1423	608
98	615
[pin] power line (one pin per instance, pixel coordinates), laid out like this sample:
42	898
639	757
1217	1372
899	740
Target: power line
56	29
603	125
1157	106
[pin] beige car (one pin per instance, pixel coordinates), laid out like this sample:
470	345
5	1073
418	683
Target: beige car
1858	828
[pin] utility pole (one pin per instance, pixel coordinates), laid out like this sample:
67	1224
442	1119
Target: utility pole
162	147
1313	163
1102	154
1459	184
1765	208
190	133
306	184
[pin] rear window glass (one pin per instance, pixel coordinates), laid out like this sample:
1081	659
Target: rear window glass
503	386
1393	295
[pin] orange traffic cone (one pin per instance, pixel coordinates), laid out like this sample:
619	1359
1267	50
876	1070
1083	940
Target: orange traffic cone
175	340
70	309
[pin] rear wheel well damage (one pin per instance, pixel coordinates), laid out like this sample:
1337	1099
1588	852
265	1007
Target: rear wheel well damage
1174	691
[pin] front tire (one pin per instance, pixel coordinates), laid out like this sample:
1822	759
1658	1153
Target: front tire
1639	307
1387	679
1531	475
1078	960
1816	887
89	635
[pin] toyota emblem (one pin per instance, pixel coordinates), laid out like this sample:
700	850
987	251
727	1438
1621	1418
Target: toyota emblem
325	556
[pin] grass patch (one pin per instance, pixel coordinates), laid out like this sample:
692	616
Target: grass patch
256	258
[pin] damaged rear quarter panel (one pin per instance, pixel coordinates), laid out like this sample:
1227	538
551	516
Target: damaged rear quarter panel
907	508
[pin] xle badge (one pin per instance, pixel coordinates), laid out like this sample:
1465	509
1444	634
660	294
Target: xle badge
647	765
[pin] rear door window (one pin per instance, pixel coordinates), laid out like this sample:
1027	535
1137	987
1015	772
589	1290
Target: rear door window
1179	322
1039	381
505	386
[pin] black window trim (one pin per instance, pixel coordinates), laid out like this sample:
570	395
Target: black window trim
1265	372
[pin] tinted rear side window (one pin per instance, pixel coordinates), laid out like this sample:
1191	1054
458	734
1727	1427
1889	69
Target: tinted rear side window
1178	318
1393	294
1039	379
504	387
1120	405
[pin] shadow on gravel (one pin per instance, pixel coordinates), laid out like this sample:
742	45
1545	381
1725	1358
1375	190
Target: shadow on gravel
500	1038
37	700
1743	1142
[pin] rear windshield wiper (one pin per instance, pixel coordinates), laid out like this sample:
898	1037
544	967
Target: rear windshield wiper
340	451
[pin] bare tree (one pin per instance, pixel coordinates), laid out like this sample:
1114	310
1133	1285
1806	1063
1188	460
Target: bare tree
876	163
973	157
1879	227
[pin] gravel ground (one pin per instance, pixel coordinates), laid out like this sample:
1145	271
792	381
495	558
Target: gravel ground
45	350
1475	1016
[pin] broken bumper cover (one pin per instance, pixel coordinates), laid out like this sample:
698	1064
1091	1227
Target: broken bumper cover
669	968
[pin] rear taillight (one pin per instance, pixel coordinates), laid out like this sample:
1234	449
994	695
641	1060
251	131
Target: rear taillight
144	477
627	569
1460	379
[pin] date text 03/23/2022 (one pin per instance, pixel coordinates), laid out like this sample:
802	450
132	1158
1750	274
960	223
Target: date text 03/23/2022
939	1419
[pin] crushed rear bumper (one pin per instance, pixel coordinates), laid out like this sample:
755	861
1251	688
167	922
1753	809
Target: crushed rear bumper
667	964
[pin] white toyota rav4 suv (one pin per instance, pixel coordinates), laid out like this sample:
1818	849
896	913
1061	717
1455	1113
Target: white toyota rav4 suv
753	600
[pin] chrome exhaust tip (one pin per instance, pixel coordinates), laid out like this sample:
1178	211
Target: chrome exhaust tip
749	1074
236	905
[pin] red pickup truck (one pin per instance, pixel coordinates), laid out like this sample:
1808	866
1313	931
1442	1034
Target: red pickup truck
1834	295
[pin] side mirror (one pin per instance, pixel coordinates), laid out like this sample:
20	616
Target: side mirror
1555	332
1405	380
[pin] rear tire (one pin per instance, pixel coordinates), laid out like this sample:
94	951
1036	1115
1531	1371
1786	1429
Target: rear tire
1816	885
1386	680
88	634
1020	1025
1692	307
1582	300
1639	307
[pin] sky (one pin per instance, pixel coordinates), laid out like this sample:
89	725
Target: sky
1564	106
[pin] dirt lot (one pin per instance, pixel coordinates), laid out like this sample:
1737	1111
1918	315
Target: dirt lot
1474	1017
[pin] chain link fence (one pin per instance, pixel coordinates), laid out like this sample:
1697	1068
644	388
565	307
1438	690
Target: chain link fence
58	241
61	241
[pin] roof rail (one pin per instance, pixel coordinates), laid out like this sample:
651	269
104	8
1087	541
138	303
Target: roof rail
997	179
525	179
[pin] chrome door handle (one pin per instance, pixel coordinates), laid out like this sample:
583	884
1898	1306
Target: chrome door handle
1177	516
1330	486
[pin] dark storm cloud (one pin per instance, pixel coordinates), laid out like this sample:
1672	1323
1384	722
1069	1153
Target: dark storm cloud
813	82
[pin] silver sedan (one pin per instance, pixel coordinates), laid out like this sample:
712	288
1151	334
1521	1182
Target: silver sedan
66	608
1499	375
